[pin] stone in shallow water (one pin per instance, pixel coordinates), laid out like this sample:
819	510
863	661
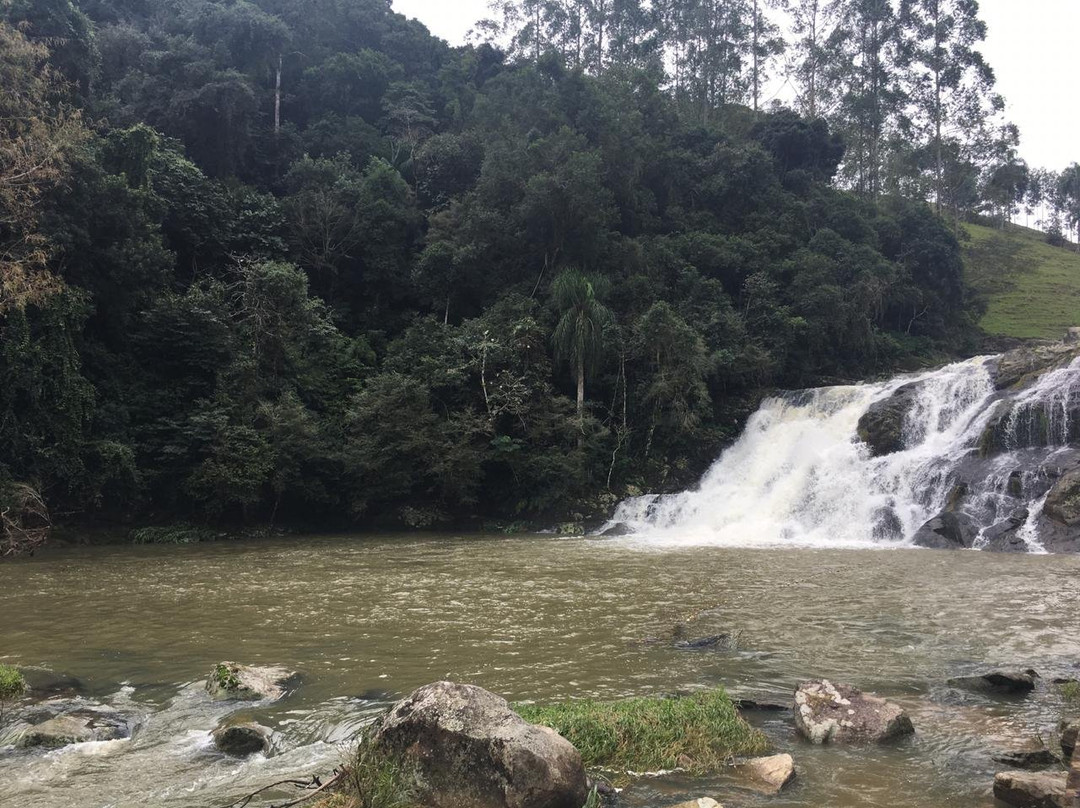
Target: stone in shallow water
1031	789
701	802
231	681
825	712
1004	682
767	774
1070	731
79	726
1036	758
466	747
242	739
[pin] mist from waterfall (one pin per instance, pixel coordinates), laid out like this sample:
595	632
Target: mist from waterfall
800	476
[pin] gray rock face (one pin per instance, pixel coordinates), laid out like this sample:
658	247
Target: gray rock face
1063	501
826	713
1004	536
1031	789
78	726
1018	366
947	531
231	681
882	426
467	748
241	740
998	682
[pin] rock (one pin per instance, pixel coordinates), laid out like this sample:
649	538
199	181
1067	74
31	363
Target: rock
230	681
1063	502
79	726
825	712
768	774
1069	733
1031	789
241	740
49	684
947	531
1002	682
1004	536
882	425
617	529
1022	364
752	705
467	747
1072	336
1035	758
1072	782
711	643
701	802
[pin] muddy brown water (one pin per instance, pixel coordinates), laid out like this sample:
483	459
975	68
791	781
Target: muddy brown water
535	619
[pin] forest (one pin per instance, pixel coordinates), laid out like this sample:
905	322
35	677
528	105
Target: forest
301	263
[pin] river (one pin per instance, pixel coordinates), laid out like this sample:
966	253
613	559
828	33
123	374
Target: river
534	618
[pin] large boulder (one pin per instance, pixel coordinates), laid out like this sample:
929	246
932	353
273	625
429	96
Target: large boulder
230	681
882	425
825	712
1031	789
998	682
241	739
1063	502
947	531
466	748
79	726
1004	536
1024	364
767	775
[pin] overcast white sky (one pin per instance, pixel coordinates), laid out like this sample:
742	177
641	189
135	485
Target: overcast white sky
1033	45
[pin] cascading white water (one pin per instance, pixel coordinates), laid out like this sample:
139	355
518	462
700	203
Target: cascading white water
799	475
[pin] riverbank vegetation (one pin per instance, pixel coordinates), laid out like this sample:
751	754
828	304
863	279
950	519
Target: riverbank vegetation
299	263
702	731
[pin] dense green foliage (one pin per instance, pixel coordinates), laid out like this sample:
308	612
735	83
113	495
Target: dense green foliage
375	293
702	731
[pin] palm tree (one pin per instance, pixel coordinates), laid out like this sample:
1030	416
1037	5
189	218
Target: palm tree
579	336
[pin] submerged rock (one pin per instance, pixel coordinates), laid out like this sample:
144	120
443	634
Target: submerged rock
1031	789
79	726
1034	758
715	642
825	712
768	775
46	684
241	740
947	531
1000	682
465	746
701	802
231	681
882	425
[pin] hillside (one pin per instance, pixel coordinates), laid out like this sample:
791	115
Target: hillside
1032	289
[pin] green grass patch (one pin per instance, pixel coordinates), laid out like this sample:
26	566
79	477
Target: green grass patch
1070	691
701	731
1032	289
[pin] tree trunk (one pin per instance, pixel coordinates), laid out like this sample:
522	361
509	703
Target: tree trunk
581	404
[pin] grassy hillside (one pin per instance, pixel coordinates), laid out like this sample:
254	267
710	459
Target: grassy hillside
1031	288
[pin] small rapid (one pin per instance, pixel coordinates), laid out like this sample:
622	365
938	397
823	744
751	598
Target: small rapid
801	475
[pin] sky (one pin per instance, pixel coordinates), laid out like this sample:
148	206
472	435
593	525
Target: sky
1033	46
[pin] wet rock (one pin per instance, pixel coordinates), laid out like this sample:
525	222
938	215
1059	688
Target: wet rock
46	684
1015	486
1072	782
617	529
1038	757
1031	789
467	747
1004	536
1063	501
825	713
752	705
1069	733
715	642
1023	364
882	425
998	682
887	525
79	726
767	775
230	681
241	740
701	802
947	531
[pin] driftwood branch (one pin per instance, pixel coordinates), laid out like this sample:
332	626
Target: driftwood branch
313	787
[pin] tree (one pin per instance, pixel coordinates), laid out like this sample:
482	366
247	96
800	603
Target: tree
579	335
1069	192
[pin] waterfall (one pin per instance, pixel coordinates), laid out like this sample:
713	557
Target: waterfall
799	475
